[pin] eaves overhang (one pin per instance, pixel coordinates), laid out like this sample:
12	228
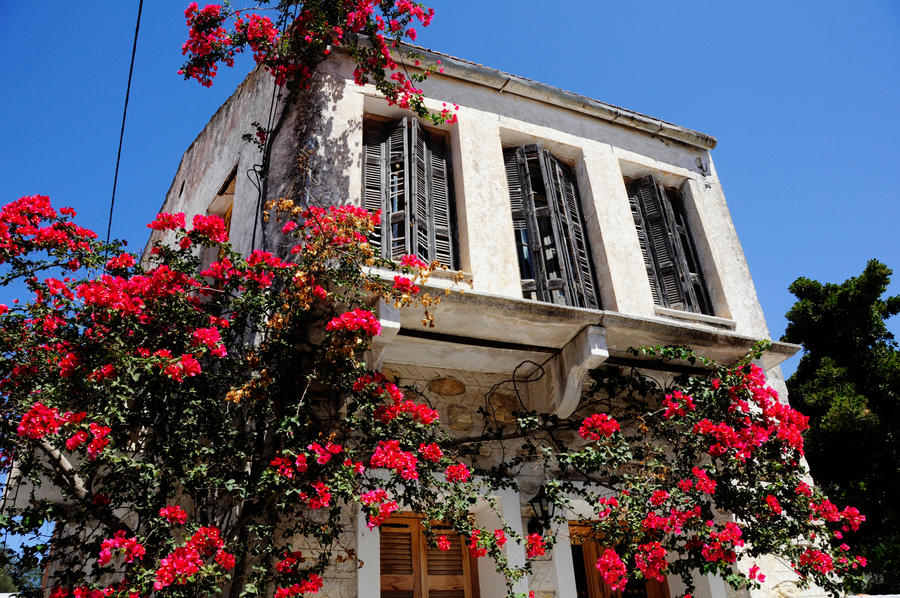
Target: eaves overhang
483	332
507	83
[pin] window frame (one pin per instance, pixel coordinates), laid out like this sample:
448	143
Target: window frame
407	174
554	256
670	255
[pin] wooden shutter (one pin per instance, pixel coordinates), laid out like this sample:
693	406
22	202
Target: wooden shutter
660	239
554	257
696	292
448	573
518	181
443	210
673	269
643	238
579	263
432	215
411	568
401	573
406	175
375	176
398	190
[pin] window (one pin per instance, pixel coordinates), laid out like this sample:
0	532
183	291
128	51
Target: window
554	257
676	278
406	175
588	583
411	568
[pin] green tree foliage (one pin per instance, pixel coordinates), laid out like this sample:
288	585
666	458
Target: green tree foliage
16	574
848	383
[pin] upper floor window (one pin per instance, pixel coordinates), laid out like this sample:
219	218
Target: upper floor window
406	175
554	256
412	568
676	278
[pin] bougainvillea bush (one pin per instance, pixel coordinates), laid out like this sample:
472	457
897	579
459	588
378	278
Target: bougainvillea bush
296	35
201	425
189	427
192	425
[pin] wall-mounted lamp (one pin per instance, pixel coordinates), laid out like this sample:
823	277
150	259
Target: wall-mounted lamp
543	508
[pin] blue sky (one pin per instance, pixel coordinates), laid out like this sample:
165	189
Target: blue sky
802	97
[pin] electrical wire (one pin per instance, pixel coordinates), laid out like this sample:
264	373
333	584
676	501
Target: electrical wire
112	201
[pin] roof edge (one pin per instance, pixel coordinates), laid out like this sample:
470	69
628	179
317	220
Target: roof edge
503	82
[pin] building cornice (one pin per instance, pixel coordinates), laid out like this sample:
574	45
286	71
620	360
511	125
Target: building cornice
508	83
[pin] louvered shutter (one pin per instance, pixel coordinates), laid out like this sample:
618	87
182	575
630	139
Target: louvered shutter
375	180
448	572
579	264
432	214
696	292
398	190
411	568
662	243
401	572
673	268
641	228
524	226
443	212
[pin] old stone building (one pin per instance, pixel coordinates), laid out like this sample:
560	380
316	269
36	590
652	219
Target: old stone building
586	229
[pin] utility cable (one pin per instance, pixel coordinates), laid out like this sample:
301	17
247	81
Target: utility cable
112	201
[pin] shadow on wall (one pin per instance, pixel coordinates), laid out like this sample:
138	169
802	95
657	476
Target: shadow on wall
309	161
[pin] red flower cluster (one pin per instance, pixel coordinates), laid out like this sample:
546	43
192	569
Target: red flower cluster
598	425
173	514
288	564
612	570
431	452
352	321
704	483
389	454
131	547
534	545
184	367
310	586
40	420
206	40
165	221
377	385
185	561
120	262
817	561
678	404
382	507
211	227
405	285
412	261
20	229
651	560
721	544
287	467
457	473
477	547
324	453
211	338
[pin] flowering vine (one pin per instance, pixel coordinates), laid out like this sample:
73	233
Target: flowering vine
210	424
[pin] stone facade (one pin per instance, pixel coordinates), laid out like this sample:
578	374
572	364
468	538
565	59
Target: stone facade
481	336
